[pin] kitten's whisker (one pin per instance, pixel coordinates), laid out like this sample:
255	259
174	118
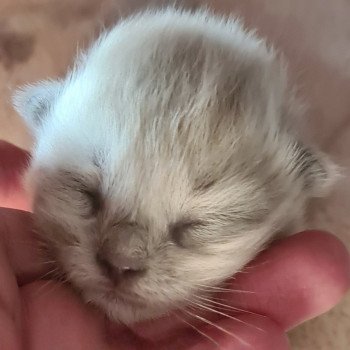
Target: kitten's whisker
41	289
223	290
58	274
226	306
253	266
48	273
210	309
49	262
199	331
217	327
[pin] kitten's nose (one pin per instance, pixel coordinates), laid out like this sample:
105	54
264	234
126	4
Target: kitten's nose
122	254
118	267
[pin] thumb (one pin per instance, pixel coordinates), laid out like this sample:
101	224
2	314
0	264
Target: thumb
13	162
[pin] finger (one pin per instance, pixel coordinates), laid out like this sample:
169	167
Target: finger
296	279
253	332
22	249
13	162
10	325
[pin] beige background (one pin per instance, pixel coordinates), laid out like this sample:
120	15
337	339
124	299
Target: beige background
38	39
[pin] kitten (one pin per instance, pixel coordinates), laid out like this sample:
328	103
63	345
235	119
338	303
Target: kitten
166	160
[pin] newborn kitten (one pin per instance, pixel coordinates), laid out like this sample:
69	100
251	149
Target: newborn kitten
164	161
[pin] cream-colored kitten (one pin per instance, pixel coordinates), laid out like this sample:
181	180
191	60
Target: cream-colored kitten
165	161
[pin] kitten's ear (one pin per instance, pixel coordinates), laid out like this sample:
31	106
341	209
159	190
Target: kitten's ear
33	102
319	171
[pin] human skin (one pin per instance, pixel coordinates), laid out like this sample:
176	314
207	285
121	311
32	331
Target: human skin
296	279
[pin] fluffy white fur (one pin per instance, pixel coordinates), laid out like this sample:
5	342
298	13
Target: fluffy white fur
168	148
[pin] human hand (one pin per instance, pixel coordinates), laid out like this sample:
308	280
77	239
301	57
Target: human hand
296	279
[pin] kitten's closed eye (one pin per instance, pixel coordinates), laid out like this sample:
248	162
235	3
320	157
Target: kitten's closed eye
94	198
78	190
181	230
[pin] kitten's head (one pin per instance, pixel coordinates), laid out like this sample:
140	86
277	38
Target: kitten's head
163	163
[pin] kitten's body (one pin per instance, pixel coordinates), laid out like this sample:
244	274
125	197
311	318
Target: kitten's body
165	161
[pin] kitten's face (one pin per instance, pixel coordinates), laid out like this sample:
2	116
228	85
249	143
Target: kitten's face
144	246
163	163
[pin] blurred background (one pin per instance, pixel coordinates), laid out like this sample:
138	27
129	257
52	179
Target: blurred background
39	39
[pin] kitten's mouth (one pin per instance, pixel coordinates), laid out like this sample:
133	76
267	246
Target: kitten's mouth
133	301
115	295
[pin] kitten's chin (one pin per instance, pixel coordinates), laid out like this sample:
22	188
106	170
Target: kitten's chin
125	311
